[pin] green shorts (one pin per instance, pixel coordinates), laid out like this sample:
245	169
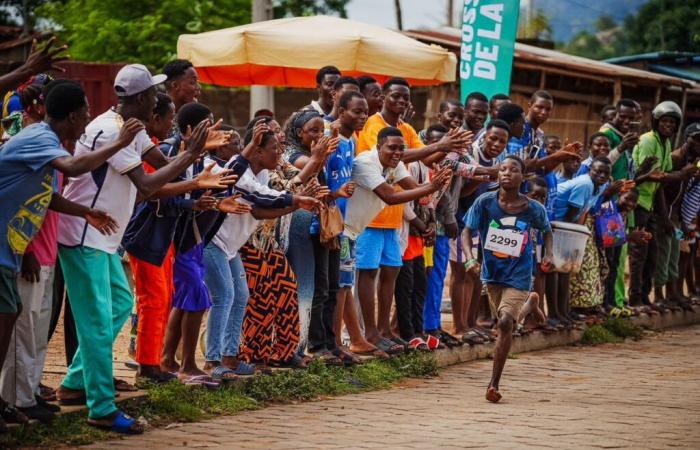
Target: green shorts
9	297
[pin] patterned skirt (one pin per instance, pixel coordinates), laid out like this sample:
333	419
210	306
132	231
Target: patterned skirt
587	286
271	323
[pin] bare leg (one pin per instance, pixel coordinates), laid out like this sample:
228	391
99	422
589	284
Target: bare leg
474	304
191	322
457	291
365	289
385	296
345	306
171	340
532	306
503	344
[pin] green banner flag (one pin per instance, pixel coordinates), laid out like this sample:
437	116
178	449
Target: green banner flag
489	28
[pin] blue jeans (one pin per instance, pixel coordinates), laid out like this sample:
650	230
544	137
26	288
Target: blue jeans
436	281
229	296
300	256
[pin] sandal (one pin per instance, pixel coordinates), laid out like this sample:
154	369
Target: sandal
389	346
418	343
122	423
244	369
348	357
123	386
449	340
328	358
223	374
401	342
472	337
201	380
376	353
295	362
70	397
10	414
434	343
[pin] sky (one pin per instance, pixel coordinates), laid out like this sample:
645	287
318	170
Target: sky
416	13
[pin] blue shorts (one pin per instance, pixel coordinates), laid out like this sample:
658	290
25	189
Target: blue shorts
378	247
347	262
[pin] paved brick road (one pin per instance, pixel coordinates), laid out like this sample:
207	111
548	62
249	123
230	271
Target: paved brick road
637	395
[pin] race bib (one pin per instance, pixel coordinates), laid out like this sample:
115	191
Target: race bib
508	242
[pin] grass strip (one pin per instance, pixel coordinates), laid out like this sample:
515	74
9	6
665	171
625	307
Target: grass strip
175	402
612	331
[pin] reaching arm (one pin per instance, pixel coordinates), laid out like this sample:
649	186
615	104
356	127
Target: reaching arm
73	166
100	220
155	158
38	61
411	189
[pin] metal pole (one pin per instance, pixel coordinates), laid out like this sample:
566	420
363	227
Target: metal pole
261	96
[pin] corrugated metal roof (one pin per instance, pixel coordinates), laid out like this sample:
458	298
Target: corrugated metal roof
524	54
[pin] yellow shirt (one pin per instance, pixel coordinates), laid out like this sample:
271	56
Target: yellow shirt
392	215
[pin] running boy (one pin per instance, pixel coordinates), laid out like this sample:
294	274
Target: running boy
503	220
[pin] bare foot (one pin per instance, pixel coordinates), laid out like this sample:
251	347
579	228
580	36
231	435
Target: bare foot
169	366
362	347
193	372
493	395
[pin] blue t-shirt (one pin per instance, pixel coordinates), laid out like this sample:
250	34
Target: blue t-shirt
498	268
585	166
338	171
578	192
27	183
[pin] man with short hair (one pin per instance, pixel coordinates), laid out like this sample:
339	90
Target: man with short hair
450	115
182	85
378	245
372	90
90	261
607	114
29	184
375	173
340	87
495	104
325	80
476	109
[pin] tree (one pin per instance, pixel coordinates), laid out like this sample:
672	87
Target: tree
296	8
659	25
664	25
144	31
537	28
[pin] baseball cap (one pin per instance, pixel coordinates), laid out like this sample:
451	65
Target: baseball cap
692	130
135	78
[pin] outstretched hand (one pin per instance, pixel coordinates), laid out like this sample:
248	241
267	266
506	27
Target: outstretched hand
207	179
231	205
129	130
46	58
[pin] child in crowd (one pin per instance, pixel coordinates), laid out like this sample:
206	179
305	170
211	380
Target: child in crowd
598	145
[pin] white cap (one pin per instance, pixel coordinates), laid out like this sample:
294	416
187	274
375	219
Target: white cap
135	78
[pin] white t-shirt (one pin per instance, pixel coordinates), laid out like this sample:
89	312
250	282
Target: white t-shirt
364	205
107	188
237	228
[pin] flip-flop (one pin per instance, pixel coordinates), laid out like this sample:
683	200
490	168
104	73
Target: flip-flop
122	423
201	380
223	374
418	343
449	340
348	357
245	369
389	346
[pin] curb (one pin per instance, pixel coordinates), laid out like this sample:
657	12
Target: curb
532	342
539	341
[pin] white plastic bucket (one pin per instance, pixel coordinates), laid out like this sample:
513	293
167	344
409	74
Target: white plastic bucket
569	246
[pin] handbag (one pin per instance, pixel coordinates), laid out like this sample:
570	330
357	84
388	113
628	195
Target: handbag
331	225
609	226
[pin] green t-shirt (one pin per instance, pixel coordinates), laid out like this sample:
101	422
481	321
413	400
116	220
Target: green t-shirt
650	145
622	169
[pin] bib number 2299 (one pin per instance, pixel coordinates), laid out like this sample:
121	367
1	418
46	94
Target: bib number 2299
508	242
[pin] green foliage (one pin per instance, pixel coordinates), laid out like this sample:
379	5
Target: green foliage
296	8
144	31
598	334
175	402
623	328
659	25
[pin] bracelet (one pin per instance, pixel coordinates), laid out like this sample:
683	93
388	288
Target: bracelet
470	263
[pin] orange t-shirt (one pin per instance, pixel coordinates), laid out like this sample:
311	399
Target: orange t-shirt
392	215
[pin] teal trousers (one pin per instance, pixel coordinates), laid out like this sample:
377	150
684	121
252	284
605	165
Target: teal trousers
101	302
